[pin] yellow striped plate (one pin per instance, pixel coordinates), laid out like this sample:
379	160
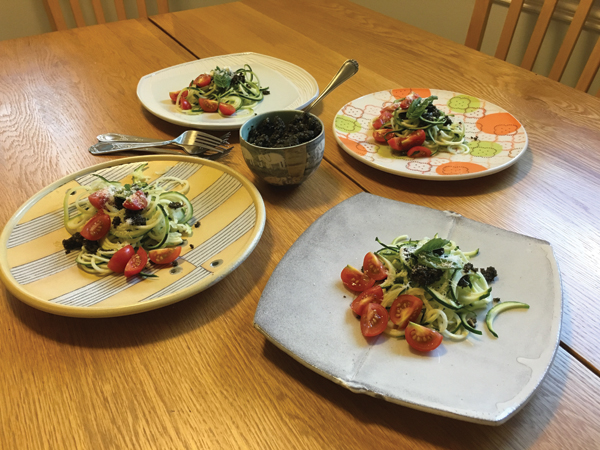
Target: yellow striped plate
36	269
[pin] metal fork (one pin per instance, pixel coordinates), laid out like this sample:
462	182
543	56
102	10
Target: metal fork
118	137
193	142
102	148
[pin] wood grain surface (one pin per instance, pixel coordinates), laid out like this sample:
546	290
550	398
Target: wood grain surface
196	374
549	194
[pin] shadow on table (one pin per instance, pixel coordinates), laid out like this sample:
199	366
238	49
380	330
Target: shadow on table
151	326
521	431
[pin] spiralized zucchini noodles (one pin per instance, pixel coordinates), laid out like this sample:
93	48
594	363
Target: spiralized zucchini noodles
240	90
416	122
440	274
106	216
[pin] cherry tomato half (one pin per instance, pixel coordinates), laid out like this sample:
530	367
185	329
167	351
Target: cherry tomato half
226	109
419	152
136	201
422	338
403	143
373	320
97	227
173	96
373	267
99	198
137	263
165	255
406	308
407	101
120	259
203	80
383	134
372	295
355	280
208	105
378	123
185	105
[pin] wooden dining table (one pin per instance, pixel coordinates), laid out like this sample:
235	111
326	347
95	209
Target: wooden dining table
196	374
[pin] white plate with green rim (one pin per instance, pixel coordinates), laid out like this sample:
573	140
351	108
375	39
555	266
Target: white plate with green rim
290	87
496	138
482	379
36	269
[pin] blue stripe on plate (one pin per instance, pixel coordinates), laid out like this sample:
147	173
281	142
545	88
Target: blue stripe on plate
205	252
48	223
106	287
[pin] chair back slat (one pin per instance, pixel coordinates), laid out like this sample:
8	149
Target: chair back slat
55	15
539	32
163	6
564	53
98	11
141	5
508	31
76	9
479	19
590	70
120	7
58	21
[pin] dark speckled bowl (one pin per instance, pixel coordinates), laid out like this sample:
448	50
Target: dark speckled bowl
286	165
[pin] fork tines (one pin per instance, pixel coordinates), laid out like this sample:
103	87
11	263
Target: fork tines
205	138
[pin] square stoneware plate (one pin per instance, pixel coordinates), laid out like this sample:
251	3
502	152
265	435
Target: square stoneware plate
290	87
496	139
482	379
35	268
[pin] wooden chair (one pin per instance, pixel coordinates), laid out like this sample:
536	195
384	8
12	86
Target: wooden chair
58	22
479	19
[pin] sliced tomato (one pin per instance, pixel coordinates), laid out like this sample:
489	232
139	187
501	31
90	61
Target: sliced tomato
203	80
136	263
373	267
208	105
120	259
136	201
413	139
383	134
226	109
185	105
395	143
422	338
173	95
355	280
391	107
378	123
407	101
99	198
419	152
97	227
404	143
165	255
372	295
373	320
406	308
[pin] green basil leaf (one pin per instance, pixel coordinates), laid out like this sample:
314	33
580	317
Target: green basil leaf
418	106
432	245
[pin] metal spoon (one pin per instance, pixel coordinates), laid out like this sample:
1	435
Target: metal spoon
348	69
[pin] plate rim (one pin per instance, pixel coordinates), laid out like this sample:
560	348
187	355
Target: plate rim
219	126
114	311
419	176
524	394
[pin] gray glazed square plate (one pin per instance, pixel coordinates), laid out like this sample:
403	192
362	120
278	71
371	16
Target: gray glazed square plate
304	310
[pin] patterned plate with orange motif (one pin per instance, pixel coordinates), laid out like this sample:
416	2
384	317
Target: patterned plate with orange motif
496	138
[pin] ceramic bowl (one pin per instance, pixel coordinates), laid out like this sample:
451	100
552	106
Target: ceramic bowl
285	165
